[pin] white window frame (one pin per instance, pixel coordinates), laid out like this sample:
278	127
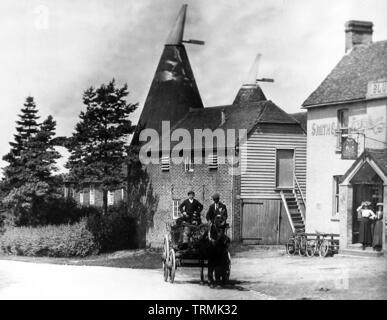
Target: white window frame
92	196
110	198
342	131
188	164
336	195
175	208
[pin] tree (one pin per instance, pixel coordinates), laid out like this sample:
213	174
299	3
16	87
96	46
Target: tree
26	127
28	178
97	147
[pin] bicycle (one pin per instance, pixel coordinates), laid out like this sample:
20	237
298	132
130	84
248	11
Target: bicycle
319	245
297	243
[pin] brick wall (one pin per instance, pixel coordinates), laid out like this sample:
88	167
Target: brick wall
176	183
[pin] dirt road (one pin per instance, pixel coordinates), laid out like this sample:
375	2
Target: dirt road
256	274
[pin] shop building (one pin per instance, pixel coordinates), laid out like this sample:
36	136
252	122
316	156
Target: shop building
347	138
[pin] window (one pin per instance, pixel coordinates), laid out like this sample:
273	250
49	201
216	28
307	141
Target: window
212	161
110	198
81	199
66	192
342	132
336	194
188	164
72	193
92	196
175	208
165	161
122	194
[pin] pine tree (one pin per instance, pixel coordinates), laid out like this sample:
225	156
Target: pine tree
97	146
28	177
26	127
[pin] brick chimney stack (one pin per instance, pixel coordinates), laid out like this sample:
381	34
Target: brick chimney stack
357	32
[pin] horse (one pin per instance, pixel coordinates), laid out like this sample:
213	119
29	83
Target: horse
218	257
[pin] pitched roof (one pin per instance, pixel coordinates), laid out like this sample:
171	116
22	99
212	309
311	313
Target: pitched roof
235	117
302	118
173	91
249	94
379	156
349	79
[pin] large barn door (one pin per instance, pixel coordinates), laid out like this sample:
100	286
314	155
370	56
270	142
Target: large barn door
264	223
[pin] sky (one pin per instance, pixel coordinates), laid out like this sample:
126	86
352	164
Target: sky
54	50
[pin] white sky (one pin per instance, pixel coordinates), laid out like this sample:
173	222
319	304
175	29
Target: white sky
53	50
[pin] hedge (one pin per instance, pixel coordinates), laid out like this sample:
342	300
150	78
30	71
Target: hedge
52	241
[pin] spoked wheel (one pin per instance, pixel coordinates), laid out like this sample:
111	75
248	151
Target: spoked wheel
165	258
324	248
302	246
311	248
172	265
291	246
227	272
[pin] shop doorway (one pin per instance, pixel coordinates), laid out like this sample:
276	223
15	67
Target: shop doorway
367	186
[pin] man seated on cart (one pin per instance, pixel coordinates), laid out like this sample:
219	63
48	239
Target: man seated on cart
190	210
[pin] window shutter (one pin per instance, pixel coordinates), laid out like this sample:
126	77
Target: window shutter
213	161
92	196
110	198
165	163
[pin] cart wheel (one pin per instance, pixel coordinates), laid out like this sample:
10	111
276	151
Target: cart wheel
172	265
228	267
324	248
311	248
302	246
165	257
291	246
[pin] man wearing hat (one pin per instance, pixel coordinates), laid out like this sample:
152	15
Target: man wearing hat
216	208
191	209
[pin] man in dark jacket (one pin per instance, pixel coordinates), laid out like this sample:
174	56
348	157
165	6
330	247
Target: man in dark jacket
191	209
215	209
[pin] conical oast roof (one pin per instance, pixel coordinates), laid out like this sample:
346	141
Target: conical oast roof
250	92
173	90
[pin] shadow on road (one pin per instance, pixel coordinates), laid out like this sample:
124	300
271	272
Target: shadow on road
231	285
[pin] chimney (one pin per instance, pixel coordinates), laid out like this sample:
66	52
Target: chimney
357	32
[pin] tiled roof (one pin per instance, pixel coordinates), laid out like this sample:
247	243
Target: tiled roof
379	156
302	118
349	79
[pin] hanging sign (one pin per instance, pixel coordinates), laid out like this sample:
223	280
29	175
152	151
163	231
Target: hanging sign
349	149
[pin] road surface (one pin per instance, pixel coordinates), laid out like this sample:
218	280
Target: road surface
255	274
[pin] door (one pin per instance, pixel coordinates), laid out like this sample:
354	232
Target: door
264	222
285	168
364	192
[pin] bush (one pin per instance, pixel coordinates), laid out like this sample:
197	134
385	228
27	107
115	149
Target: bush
114	231
54	211
52	241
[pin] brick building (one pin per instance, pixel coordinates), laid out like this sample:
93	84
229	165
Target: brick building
347	137
265	198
